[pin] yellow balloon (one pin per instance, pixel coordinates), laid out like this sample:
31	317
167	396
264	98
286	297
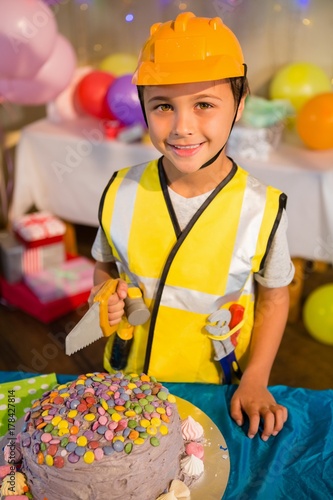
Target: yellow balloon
119	64
318	314
298	83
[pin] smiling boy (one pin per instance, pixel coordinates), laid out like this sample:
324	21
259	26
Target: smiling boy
194	231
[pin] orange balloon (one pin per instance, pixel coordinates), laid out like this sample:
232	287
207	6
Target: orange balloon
314	122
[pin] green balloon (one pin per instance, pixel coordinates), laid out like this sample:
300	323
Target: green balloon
318	314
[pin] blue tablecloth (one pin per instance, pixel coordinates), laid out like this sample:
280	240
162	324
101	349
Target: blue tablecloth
298	463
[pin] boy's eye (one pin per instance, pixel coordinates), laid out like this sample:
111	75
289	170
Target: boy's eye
204	105
164	107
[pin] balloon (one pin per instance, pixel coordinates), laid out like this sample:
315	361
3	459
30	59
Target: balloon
28	33
119	64
51	79
90	94
314	122
318	314
298	83
122	98
52	2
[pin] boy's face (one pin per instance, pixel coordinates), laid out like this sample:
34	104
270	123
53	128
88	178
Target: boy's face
189	123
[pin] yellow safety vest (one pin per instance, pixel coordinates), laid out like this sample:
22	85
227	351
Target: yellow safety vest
187	275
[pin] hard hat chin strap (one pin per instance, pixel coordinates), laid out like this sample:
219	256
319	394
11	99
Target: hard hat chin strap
209	162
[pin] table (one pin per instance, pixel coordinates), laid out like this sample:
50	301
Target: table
64	168
297	463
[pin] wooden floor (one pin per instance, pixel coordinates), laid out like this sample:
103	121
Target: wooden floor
31	346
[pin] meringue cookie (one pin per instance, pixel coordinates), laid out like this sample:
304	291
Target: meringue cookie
191	430
192	466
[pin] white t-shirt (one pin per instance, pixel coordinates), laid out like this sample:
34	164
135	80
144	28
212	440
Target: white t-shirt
278	269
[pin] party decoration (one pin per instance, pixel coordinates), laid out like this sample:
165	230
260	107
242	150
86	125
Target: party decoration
52	78
318	314
123	101
298	83
90	94
314	122
119	64
28	33
260	112
51	3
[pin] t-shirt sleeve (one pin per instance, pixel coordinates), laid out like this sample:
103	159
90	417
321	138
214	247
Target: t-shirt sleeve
278	269
101	250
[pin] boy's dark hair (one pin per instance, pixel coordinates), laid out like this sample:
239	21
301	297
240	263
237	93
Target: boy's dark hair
239	85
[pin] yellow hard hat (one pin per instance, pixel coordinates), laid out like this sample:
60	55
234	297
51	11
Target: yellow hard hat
189	49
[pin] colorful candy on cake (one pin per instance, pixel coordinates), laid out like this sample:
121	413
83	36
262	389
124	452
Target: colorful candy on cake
106	436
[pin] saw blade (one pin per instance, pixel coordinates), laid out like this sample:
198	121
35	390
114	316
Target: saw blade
85	332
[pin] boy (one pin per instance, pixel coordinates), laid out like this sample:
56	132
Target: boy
203	240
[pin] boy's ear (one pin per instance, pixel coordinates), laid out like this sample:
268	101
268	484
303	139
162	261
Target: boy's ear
241	108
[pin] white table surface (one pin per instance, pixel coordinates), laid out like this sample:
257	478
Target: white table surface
63	168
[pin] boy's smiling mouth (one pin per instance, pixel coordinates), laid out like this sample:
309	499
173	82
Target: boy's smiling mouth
185	149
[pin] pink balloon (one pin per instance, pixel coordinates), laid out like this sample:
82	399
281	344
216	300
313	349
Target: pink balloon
51	79
28	32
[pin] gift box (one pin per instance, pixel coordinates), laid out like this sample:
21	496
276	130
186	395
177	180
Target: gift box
38	229
37	259
17	260
259	131
70	278
254	143
11	252
19	295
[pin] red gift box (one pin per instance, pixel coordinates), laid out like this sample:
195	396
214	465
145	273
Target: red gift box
39	228
69	278
19	295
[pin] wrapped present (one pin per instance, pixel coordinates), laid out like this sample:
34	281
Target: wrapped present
17	260
70	278
254	143
260	129
20	296
11	252
38	229
40	258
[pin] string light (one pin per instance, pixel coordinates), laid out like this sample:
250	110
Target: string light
304	4
306	21
129	18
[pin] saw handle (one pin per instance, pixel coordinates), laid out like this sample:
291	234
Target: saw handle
136	311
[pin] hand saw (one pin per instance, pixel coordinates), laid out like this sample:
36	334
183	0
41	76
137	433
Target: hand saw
95	324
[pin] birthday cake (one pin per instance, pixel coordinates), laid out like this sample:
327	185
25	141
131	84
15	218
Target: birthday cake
108	436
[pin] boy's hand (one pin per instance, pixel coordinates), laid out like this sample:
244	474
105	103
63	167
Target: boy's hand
260	406
116	303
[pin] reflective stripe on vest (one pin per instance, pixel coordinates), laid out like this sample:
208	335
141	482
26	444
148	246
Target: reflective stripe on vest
210	264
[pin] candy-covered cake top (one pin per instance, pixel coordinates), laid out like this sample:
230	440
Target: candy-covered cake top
97	415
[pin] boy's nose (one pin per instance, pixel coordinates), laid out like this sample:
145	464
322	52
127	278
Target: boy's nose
183	124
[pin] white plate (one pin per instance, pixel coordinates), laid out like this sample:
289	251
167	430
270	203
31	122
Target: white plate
213	482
